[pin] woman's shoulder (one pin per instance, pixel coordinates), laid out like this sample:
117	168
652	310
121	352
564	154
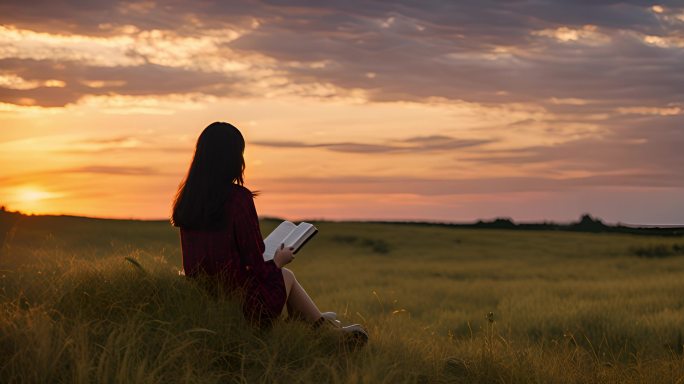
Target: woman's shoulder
241	191
240	202
239	195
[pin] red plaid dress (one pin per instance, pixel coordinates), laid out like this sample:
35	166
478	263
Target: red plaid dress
235	256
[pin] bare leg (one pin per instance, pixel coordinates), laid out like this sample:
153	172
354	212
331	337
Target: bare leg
299	304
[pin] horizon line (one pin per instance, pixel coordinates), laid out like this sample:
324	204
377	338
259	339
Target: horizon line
369	220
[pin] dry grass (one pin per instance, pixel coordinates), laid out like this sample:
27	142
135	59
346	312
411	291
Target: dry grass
565	308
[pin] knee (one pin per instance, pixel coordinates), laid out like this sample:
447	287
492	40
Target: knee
288	275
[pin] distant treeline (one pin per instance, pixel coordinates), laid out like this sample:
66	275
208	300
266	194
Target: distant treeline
587	223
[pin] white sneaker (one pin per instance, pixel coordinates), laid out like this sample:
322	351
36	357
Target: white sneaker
355	335
331	317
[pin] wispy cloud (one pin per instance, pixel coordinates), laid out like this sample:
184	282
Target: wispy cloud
650	144
410	145
112	170
485	185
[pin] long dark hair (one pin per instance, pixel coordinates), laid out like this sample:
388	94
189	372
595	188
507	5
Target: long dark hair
217	163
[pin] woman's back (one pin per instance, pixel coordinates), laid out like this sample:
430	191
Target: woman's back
216	251
234	254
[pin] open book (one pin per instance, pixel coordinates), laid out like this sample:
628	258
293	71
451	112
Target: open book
291	235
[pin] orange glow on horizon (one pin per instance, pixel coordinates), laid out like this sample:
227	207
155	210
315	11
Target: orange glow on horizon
32	199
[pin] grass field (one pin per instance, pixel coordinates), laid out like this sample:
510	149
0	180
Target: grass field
441	305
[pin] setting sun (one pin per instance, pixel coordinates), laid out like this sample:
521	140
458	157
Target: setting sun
32	199
32	195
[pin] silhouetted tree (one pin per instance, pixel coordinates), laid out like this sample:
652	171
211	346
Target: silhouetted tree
590	224
500	222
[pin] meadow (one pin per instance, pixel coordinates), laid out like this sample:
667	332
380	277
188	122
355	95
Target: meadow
87	300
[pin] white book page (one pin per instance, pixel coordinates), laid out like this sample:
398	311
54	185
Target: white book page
275	238
299	235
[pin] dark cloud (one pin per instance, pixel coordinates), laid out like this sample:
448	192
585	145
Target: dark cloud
413	49
447	49
411	145
101	17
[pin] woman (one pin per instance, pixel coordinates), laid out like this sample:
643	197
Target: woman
221	239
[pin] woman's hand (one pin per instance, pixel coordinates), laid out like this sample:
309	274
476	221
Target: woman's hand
283	256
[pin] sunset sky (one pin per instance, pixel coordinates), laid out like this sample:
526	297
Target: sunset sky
407	110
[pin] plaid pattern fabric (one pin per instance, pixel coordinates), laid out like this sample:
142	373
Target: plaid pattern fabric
235	256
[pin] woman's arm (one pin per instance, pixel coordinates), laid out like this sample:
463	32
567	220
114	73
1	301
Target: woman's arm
248	236
283	256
